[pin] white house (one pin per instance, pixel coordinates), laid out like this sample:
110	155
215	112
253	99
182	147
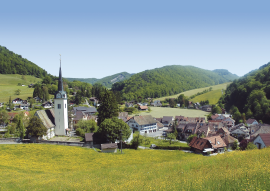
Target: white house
47	119
262	140
240	130
144	124
252	122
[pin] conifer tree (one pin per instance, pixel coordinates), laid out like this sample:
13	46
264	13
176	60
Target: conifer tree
20	128
108	107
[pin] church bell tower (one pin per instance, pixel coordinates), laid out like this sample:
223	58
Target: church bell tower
60	107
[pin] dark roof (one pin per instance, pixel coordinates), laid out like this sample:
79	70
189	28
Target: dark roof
109	146
266	138
46	121
86	109
167	119
159	119
250	121
89	137
159	125
259	129
198	143
144	120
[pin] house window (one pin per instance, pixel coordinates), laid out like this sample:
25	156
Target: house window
65	105
59	106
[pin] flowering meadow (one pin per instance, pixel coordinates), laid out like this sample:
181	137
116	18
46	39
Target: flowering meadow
54	167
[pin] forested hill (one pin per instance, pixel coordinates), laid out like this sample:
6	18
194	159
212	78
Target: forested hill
226	74
11	63
106	81
168	80
250	94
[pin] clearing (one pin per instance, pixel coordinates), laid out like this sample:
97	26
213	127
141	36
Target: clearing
194	91
9	83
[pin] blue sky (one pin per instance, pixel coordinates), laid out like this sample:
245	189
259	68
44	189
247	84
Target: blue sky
101	38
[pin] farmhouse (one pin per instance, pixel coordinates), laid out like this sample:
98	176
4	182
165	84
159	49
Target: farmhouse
48	120
144	124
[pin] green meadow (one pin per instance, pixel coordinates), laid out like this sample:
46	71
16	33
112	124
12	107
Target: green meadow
167	111
9	83
194	91
54	167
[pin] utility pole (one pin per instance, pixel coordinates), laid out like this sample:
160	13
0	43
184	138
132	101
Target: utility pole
121	134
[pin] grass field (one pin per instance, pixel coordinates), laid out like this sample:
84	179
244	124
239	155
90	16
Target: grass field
192	92
53	167
212	96
9	83
166	111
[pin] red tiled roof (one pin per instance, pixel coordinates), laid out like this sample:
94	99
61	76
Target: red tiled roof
266	138
216	141
143	107
199	143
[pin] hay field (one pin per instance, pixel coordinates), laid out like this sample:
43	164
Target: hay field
9	83
167	111
212	96
53	167
194	91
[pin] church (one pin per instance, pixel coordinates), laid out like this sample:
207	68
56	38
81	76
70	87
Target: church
56	120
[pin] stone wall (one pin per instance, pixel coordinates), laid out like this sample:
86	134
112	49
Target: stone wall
5	140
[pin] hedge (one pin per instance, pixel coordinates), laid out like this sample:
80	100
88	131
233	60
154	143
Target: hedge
172	147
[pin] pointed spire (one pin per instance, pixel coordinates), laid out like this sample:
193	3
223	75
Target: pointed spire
60	81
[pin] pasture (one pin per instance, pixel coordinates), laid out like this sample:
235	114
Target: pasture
213	97
167	111
9	83
194	91
54	167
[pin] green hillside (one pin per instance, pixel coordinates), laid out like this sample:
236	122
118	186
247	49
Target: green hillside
106	81
166	81
53	167
250	94
226	74
9	83
11	63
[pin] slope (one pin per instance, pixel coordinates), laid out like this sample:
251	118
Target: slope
250	94
9	83
168	80
50	167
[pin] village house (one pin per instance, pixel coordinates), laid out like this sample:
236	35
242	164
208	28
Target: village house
1	104
262	140
225	135
156	103
47	104
86	110
143	108
240	130
94	100
213	144
167	121
144	124
250	122
128	104
207	108
19	101
254	130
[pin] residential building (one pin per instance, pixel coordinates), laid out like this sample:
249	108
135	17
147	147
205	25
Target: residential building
250	122
48	119
144	124
262	140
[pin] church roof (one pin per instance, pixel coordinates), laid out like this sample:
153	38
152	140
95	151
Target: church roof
45	118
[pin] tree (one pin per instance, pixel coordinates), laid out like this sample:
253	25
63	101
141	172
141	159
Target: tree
21	129
189	139
3	117
235	145
251	146
111	128
172	103
17	92
47	80
38	91
243	144
136	141
36	127
171	136
216	109
46	95
146	140
108	107
85	126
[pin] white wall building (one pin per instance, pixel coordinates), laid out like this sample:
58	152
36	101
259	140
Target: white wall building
60	108
144	124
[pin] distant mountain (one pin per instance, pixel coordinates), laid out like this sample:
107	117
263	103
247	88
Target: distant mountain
169	80
226	74
106	81
11	63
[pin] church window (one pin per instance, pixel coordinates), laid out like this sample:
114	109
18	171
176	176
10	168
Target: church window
65	105
59	106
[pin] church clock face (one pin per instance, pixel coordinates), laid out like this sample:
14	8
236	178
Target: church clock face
58	95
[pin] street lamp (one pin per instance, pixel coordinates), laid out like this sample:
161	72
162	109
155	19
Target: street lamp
120	135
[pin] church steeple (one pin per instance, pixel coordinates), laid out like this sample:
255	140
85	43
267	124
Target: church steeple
60	81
